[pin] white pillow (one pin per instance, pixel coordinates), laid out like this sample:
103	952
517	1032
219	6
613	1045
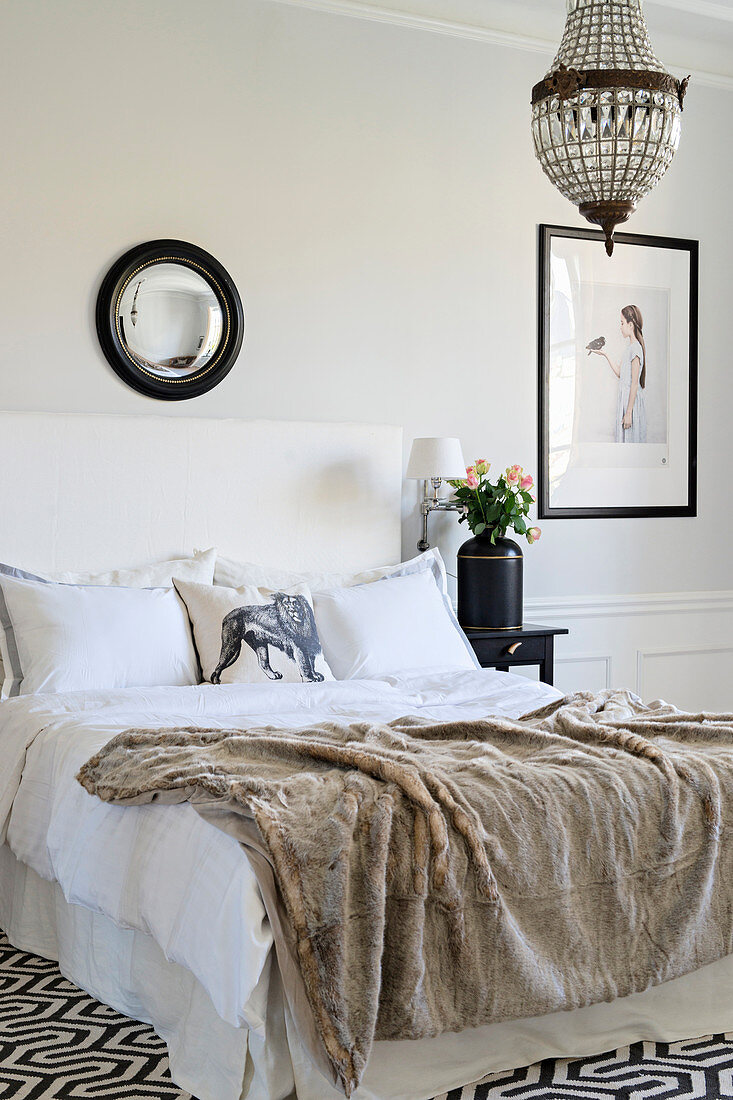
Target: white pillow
399	624
62	637
251	635
199	568
233	573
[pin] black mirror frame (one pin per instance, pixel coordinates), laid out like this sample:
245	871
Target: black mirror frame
223	287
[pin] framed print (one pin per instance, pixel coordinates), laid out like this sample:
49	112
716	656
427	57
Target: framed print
617	376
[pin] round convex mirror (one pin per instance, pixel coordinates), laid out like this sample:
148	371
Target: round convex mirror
170	320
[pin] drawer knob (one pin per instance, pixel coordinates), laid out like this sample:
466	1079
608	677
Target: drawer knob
513	648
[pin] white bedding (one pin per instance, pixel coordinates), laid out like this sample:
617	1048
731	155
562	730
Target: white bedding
142	879
164	870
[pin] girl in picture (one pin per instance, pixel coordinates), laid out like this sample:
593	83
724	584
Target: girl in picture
631	373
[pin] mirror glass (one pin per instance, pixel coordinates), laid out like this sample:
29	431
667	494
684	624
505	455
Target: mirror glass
170	320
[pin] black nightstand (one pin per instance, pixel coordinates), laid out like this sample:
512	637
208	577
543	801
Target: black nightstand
528	645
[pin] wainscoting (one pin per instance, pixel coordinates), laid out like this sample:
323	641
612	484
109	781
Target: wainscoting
676	646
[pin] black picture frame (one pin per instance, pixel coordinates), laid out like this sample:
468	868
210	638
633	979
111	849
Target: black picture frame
114	348
686	508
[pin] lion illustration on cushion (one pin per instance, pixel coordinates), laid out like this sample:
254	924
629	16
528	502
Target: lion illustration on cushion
286	624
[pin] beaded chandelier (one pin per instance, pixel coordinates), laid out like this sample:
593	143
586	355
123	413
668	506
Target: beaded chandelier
606	118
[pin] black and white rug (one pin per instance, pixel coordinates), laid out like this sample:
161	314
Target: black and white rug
700	1069
57	1043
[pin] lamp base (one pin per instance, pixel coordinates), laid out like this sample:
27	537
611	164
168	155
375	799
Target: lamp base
607	215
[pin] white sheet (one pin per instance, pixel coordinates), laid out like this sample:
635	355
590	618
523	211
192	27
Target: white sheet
165	871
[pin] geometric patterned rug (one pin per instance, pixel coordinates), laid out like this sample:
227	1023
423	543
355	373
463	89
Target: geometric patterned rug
701	1069
58	1043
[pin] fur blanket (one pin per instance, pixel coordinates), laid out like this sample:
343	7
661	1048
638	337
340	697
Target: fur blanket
435	877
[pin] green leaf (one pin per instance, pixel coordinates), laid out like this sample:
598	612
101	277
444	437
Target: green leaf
479	528
520	527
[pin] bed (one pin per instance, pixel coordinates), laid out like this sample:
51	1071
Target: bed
152	909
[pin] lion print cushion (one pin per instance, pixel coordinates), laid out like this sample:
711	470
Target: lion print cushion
251	635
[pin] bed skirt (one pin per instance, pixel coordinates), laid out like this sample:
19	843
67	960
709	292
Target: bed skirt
211	1059
127	970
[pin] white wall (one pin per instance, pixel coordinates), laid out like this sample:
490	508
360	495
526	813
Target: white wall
372	189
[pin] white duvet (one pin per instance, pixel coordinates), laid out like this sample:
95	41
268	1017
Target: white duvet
162	869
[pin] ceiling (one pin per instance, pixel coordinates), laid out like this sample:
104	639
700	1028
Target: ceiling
688	35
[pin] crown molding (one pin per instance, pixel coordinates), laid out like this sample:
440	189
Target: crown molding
376	12
708	9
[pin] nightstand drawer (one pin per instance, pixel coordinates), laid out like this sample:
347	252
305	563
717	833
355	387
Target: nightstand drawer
527	645
507	651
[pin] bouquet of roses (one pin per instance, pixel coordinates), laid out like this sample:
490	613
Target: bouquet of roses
499	506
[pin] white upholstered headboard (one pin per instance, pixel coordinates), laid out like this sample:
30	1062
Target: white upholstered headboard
94	491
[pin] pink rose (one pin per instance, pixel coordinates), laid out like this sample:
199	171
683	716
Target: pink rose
526	482
482	466
471	481
470	471
534	534
512	475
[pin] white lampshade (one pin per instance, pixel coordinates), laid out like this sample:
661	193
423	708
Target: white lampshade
436	458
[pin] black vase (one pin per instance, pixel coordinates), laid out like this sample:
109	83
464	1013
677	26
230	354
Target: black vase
490	584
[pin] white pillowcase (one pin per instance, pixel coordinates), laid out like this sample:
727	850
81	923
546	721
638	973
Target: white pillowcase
251	635
232	574
396	625
62	637
199	568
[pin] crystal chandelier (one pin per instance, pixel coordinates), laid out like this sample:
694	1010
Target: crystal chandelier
606	118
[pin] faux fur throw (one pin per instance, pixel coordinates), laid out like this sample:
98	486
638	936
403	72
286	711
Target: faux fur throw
441	877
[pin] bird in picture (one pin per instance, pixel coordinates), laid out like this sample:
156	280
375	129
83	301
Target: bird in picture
596	345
